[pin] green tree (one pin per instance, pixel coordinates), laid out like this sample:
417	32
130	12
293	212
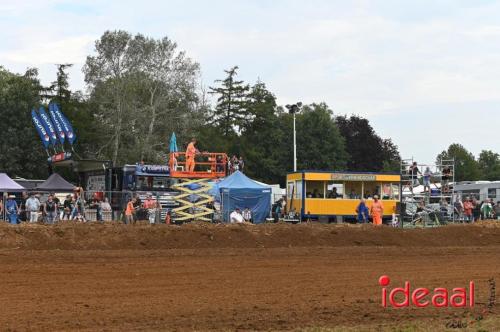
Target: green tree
489	165
320	145
265	140
143	89
466	166
230	113
367	150
22	152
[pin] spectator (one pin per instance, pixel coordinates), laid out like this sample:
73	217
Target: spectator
235	216
11	209
247	215
32	208
95	203
468	207
316	194
235	163
58	205
106	209
476	210
129	211
23	215
77	212
486	209
377	211
276	210
219	164
362	211
497	210
427	179
414	172
67	208
50	210
446	177
137	207
459	208
333	193
150	205
352	195
241	164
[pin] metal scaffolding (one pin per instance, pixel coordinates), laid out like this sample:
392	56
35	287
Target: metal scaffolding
427	194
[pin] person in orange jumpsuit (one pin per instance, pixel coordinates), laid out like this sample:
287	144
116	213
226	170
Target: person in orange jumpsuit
191	152
377	211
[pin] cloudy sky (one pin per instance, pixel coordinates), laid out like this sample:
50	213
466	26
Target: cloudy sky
425	73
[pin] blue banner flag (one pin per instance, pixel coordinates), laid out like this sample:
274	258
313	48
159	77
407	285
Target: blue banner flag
68	129
40	129
57	123
49	127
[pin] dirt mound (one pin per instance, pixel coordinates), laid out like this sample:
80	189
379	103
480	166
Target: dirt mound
194	236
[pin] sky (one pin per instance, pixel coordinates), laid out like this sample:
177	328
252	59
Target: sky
425	73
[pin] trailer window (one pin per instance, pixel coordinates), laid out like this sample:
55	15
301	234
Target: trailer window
315	189
335	190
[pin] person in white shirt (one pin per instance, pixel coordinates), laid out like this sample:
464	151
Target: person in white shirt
247	215
32	208
235	216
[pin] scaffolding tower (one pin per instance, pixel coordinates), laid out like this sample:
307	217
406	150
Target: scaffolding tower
193	187
427	193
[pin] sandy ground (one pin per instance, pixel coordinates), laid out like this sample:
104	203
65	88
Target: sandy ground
235	278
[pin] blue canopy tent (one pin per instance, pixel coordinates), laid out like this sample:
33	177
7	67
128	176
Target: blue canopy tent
239	191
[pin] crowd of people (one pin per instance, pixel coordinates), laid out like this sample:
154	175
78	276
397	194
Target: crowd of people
471	209
32	208
235	164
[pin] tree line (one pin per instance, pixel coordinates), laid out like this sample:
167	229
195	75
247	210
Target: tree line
141	89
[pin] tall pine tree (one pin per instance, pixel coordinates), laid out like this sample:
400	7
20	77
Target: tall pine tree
230	114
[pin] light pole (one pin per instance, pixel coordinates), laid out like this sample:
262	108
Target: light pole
294	109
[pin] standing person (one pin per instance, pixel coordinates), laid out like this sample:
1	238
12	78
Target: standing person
106	209
129	211
414	172
241	164
23	215
11	209
150	205
67	208
247	215
476	209
497	210
486	209
468	207
427	179
32	208
459	208
191	152
362	211
50	210
236	164
377	211
446	177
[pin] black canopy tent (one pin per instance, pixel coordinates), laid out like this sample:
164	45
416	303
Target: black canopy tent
56	183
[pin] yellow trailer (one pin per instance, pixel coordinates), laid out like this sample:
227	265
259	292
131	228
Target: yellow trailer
314	194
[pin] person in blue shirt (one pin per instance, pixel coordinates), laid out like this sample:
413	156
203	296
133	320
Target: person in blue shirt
362	211
12	209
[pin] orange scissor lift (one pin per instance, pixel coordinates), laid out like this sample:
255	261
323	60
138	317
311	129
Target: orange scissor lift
209	166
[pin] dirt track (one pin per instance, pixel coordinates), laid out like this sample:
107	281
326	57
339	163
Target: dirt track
276	277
